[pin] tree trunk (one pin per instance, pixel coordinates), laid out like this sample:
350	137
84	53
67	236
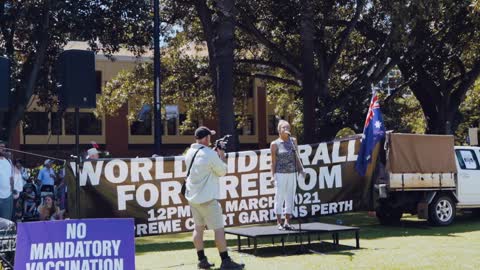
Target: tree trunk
437	107
308	69
218	31
328	131
441	121
205	15
224	46
29	76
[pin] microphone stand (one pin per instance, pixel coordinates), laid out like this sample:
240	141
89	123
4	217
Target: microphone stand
302	249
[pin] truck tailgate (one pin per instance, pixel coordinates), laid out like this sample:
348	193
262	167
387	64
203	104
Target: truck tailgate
410	181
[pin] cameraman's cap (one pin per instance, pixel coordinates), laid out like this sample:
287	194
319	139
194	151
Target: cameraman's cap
203	132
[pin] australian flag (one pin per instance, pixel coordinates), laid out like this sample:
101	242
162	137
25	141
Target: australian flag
373	132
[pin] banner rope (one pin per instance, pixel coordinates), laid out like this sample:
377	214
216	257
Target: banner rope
33	154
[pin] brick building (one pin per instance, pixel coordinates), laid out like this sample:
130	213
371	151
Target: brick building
52	134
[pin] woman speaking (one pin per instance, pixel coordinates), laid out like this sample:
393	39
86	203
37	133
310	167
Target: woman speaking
285	166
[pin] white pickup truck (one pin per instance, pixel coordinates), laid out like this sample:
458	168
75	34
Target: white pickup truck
425	175
468	176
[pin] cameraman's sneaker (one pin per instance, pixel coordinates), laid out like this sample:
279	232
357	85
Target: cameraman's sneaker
204	264
229	264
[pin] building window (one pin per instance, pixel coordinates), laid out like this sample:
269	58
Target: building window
89	124
190	131
36	123
56	123
142	127
171	126
171	122
251	88
239	129
98	82
272	125
248	128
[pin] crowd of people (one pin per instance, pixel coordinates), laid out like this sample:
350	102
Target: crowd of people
27	195
42	196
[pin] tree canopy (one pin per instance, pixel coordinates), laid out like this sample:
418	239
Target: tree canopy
34	33
320	57
186	81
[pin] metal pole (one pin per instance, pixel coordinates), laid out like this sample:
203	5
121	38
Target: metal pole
24	141
77	163
156	77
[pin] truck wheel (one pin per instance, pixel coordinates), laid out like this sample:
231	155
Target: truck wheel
387	215
441	212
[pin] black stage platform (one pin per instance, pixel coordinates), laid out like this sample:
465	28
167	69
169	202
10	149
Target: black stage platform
306	229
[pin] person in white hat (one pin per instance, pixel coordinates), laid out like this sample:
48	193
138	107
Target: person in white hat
93	153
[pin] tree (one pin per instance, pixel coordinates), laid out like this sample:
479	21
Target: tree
34	33
475	5
307	41
437	52
184	78
469	114
449	65
212	21
186	81
217	19
402	113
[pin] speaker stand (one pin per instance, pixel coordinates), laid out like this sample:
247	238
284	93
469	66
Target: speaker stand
77	161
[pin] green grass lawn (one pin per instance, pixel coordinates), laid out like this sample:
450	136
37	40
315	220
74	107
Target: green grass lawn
411	245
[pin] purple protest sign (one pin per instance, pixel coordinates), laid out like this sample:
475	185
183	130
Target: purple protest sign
100	244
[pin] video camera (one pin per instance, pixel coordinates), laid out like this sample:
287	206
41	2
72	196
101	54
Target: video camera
222	142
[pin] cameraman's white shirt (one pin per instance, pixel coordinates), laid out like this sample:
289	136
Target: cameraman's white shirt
5	174
202	184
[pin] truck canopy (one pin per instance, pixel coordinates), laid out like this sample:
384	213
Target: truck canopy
415	153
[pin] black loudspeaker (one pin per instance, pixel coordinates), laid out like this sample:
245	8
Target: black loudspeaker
76	79
4	83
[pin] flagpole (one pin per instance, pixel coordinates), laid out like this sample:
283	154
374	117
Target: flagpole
373	132
372	92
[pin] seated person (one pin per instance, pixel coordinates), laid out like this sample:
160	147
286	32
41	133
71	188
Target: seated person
49	211
18	210
29	202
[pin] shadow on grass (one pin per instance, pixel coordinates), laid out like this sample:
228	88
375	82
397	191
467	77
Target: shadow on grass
369	229
408	226
319	248
265	244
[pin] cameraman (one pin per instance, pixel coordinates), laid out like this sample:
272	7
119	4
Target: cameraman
202	192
